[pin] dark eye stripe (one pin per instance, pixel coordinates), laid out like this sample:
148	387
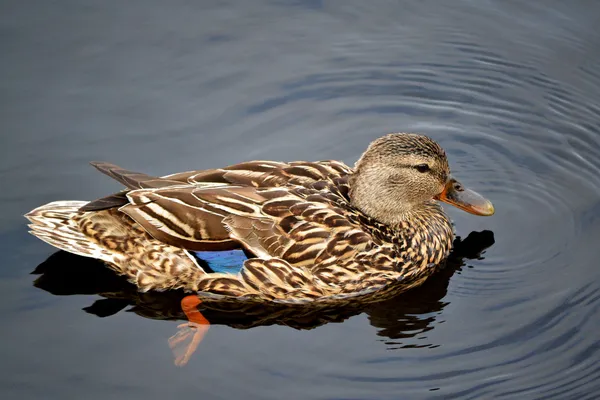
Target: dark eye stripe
419	167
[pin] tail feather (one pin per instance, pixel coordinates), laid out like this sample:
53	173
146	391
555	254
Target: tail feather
53	223
117	240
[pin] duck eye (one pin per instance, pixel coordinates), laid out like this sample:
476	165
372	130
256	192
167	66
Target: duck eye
422	168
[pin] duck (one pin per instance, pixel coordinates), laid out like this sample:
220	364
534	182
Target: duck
304	231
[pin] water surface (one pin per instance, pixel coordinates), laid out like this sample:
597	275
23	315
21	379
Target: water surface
510	89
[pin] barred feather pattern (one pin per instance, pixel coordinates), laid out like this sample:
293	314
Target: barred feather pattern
296	218
116	239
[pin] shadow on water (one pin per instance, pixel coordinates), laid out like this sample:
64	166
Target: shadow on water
510	90
404	316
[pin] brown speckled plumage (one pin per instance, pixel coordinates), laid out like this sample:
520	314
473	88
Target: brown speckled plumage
319	231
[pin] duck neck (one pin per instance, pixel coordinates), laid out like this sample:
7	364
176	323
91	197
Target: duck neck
422	226
383	202
428	232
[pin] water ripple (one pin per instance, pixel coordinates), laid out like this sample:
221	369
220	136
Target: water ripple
527	141
509	89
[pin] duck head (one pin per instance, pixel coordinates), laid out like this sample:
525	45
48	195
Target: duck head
400	174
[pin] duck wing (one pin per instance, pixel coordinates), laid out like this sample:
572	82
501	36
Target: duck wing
302	225
130	179
253	173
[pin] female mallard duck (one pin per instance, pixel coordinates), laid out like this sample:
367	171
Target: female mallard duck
311	230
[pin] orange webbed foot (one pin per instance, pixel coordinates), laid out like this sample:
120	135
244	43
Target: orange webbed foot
185	342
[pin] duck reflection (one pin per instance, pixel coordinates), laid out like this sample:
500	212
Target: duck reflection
397	319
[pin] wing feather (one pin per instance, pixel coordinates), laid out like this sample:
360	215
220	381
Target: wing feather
273	209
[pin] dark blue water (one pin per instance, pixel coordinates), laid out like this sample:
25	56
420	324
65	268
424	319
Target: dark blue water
510	89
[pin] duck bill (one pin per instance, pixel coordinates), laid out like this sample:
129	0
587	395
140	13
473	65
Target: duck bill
465	199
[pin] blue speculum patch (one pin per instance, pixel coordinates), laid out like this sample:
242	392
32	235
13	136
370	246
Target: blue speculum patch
226	261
